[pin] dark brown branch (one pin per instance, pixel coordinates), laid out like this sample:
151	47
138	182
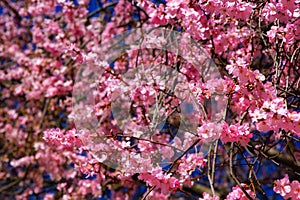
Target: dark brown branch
12	9
281	158
232	174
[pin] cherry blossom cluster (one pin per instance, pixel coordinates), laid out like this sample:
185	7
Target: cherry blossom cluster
237	193
61	140
190	163
161	180
232	133
287	189
275	116
237	86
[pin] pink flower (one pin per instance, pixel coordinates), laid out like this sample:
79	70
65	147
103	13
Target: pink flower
269	12
289	4
12	114
190	163
209	131
236	133
258	115
167	152
295	193
24	161
286	189
62	140
163	181
207	196
272	33
145	146
238	194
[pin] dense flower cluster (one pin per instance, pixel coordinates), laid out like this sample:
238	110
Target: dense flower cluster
162	181
237	193
198	111
274	115
67	141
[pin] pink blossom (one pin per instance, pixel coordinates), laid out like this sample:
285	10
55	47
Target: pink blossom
272	33
287	189
62	140
269	12
190	163
161	180
236	133
295	187
238	194
209	131
207	196
24	161
282	187
44	45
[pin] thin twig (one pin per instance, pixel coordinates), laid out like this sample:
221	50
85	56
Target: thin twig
233	175
149	191
209	170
